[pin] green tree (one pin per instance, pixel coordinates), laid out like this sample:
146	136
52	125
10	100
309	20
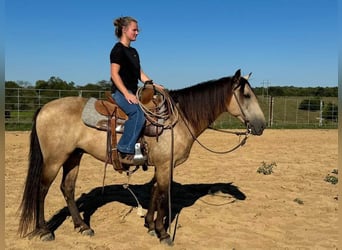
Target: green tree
41	84
11	84
104	85
11	95
330	112
57	83
310	104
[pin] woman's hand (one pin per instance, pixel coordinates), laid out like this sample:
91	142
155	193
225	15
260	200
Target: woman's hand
131	98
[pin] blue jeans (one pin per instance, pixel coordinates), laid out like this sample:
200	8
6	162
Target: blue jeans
133	126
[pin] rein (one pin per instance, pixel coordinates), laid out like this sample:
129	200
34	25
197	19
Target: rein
241	143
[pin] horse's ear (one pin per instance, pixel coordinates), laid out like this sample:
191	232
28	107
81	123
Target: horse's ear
237	76
247	76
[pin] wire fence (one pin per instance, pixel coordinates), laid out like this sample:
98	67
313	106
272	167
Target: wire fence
280	112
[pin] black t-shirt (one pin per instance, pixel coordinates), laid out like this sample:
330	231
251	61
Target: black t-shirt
128	59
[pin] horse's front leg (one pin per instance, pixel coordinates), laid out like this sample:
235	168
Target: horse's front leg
149	217
162	198
70	172
163	179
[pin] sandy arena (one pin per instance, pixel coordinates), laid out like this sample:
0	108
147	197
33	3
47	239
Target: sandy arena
223	203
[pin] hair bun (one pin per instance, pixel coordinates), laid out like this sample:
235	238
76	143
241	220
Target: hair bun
118	22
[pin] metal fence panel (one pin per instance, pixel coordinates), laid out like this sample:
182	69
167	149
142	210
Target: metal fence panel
280	112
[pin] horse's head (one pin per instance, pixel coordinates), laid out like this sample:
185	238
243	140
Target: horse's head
244	105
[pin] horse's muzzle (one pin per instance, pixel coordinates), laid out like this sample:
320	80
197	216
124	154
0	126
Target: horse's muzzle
256	128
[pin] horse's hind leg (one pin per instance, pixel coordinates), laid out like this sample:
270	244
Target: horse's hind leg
42	229
49	173
70	172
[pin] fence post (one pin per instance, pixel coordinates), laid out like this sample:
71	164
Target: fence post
297	108
270	112
320	123
18	108
309	108
285	104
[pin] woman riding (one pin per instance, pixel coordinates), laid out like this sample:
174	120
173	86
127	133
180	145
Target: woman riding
125	73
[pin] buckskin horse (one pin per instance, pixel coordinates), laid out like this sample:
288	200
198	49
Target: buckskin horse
59	138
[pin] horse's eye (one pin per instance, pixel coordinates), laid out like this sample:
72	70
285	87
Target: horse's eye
247	96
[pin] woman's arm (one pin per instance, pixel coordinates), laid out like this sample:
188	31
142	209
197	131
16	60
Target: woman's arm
144	78
114	72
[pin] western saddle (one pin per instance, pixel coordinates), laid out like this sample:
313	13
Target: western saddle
116	118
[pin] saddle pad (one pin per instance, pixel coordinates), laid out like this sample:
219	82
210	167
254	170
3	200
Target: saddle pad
90	116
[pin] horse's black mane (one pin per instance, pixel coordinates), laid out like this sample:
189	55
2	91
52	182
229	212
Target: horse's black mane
202	103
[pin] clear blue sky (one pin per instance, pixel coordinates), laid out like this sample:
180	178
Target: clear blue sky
181	43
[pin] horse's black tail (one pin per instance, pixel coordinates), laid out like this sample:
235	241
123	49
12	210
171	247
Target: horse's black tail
30	202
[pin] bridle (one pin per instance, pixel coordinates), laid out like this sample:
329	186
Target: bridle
241	142
244	117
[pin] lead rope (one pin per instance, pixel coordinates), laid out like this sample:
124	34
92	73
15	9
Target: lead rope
140	211
170	184
171	114
171	179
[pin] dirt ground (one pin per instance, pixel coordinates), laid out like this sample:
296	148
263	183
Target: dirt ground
221	200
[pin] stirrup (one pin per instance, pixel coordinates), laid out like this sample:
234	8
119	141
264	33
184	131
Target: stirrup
139	158
134	160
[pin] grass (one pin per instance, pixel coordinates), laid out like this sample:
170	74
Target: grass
333	179
266	169
19	121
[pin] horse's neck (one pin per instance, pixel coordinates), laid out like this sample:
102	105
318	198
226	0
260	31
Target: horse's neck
202	104
194	131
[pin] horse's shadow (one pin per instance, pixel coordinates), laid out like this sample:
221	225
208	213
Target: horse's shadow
182	196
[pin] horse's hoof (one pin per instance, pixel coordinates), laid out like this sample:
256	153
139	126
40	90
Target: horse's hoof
88	232
167	241
152	232
47	237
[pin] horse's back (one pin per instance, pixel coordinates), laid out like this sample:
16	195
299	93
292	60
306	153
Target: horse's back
69	104
60	110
